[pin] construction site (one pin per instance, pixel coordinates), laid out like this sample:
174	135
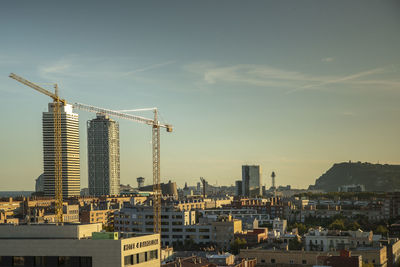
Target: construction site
61	140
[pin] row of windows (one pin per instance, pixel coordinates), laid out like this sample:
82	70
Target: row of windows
44	261
290	261
187	237
141	257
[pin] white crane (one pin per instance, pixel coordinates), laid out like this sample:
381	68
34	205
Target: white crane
156	125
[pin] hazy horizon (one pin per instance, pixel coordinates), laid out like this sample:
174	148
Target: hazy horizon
292	86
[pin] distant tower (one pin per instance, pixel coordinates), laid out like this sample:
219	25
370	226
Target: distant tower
39	183
238	188
204	182
103	156
140	182
251	181
273	183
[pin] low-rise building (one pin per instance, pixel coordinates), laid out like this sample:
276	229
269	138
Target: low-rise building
320	239
254	236
344	259
75	245
139	218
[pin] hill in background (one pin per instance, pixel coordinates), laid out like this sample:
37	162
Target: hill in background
375	177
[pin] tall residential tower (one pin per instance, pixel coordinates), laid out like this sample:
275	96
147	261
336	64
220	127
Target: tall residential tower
69	151
103	156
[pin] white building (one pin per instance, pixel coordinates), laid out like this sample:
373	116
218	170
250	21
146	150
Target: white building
139	218
279	225
75	245
320	239
103	156
69	151
351	188
177	225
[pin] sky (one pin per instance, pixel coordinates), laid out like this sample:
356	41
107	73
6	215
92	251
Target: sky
292	86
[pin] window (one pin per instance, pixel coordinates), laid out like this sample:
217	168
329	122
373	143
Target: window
38	261
291	261
153	254
128	260
304	261
141	257
64	261
18	261
272	260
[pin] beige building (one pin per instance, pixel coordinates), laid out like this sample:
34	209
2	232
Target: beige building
97	216
7	217
224	230
377	256
75	245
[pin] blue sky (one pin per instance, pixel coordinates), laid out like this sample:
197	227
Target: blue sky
294	86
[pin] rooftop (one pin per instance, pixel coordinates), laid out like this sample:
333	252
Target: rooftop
66	231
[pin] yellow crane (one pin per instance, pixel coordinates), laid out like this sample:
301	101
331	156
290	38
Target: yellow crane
57	141
156	125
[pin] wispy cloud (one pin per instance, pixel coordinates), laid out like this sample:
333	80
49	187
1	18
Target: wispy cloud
75	66
341	79
327	59
258	75
151	67
291	81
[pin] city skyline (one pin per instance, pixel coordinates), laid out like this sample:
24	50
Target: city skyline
292	87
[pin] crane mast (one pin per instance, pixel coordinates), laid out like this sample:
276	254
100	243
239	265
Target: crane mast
155	147
156	174
57	103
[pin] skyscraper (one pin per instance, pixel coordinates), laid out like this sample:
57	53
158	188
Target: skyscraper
69	151
238	188
103	156
251	180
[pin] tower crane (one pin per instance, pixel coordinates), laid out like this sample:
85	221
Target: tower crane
156	125
58	102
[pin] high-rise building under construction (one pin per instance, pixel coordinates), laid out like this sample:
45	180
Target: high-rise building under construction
69	151
103	156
